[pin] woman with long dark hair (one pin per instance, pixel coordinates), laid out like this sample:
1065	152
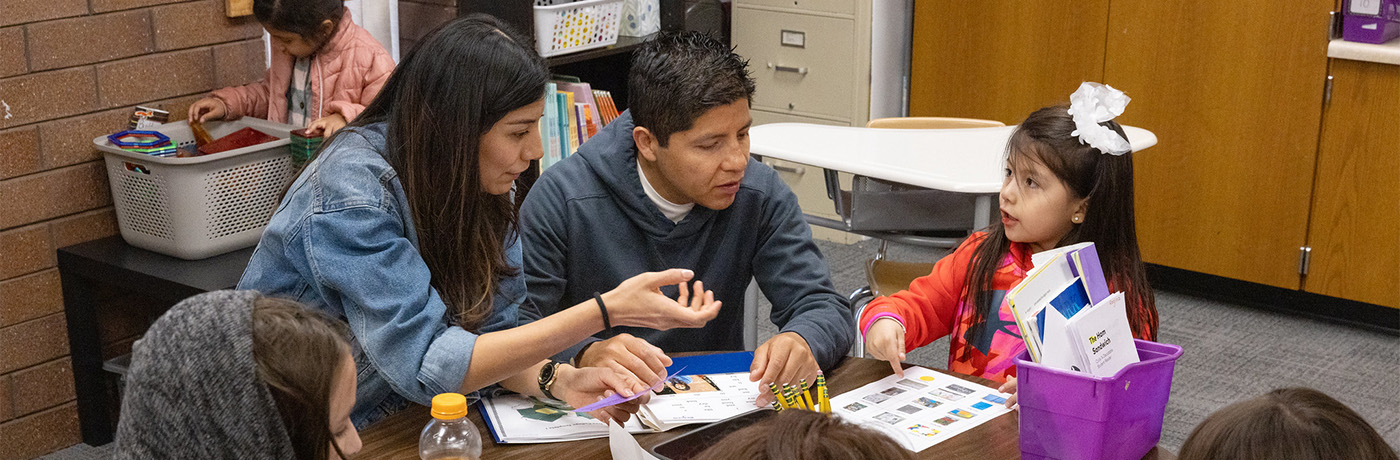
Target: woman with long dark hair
404	226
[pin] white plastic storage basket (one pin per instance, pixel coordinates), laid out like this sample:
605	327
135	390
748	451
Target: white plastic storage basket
564	27
199	207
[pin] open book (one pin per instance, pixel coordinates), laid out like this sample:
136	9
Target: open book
718	388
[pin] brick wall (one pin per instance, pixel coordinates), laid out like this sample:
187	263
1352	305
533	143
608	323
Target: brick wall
71	70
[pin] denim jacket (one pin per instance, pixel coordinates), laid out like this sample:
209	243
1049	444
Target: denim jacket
343	241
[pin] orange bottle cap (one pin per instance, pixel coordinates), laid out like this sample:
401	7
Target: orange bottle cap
449	406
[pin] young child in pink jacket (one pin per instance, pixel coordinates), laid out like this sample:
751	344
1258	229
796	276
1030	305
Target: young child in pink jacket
325	69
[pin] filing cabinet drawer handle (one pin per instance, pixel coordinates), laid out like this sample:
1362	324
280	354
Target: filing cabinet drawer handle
798	170
783	68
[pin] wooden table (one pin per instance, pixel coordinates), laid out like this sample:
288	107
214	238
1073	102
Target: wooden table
396	437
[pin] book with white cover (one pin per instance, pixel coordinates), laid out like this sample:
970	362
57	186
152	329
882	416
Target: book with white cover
1103	337
1027	299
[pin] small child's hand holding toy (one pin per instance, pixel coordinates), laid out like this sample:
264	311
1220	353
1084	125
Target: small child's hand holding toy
208	109
327	125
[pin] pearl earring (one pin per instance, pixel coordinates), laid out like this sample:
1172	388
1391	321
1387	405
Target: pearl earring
1077	219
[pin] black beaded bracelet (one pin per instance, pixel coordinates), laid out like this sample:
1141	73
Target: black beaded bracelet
607	325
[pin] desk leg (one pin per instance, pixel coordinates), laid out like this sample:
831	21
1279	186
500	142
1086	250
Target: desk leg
982	212
80	308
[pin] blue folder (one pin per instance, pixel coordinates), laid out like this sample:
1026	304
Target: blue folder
722	363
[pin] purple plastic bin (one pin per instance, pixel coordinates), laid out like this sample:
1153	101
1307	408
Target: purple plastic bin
1371	21
1071	415
1365	29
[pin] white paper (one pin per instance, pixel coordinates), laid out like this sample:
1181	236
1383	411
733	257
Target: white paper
921	409
700	399
1057	350
624	446
1042	257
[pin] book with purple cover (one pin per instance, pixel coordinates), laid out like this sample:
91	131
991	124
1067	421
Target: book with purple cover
1088	268
1084	263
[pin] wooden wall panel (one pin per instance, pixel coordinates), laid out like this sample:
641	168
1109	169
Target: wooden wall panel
1233	91
1355	226
1002	60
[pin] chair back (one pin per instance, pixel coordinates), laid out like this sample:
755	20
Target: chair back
887	277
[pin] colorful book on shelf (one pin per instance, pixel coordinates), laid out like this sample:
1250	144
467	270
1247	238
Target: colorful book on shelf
605	106
580	122
549	128
588	121
570	125
561	117
583	93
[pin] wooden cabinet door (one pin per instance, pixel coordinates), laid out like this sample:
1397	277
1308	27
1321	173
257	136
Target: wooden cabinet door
1002	60
1233	90
1354	231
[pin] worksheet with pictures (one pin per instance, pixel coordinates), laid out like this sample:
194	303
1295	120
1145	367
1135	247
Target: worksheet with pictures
921	409
702	398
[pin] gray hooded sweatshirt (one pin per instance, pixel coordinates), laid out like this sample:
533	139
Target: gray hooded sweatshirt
587	225
192	390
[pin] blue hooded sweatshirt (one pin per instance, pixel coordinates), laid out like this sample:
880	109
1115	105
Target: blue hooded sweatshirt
587	225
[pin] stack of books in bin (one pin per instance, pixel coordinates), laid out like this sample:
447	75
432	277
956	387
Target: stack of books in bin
303	147
1067	316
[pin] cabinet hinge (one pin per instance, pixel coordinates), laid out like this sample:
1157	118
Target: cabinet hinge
1334	25
1327	92
1304	258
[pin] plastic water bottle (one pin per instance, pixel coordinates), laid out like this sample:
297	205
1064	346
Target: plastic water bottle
450	436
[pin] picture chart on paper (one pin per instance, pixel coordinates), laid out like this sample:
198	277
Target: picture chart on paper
921	409
700	398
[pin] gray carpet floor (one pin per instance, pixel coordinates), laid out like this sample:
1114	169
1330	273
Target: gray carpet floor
1232	353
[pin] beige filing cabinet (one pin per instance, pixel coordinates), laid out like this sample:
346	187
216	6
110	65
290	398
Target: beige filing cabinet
836	62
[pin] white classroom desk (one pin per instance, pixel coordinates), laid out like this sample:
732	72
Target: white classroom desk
968	160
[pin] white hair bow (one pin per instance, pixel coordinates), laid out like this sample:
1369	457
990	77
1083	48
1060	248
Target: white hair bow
1095	103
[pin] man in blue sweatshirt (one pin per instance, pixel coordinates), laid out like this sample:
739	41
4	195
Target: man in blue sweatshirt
670	184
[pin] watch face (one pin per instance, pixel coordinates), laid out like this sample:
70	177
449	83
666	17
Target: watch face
547	373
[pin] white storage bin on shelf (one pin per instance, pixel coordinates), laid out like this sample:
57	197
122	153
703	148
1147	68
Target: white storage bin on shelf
564	27
199	207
